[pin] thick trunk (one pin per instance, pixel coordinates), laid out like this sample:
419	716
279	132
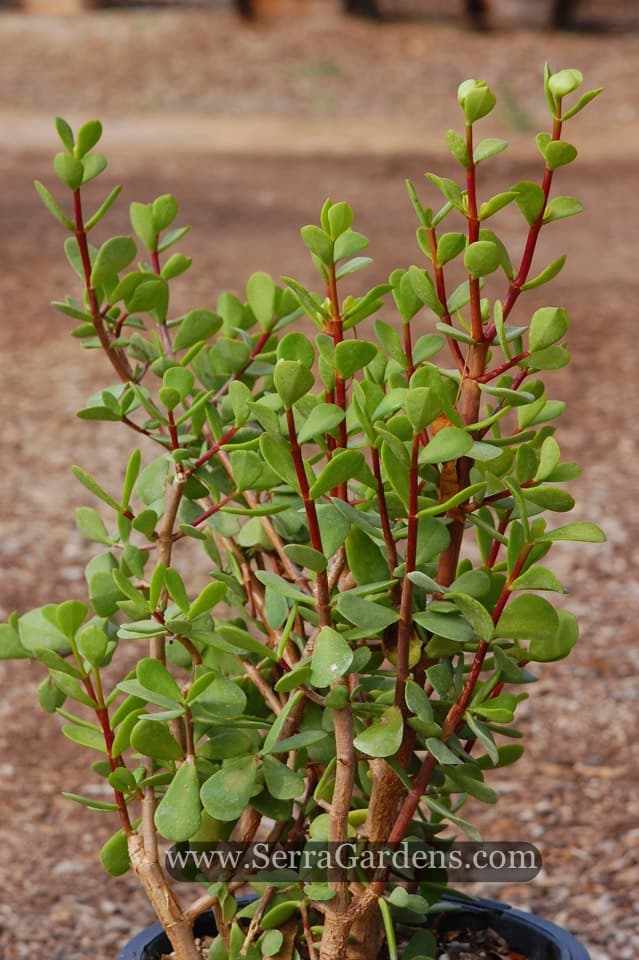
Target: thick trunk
167	909
334	938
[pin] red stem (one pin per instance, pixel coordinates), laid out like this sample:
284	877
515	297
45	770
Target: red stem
531	242
257	349
440	282
118	360
473	236
217	446
323	590
405	626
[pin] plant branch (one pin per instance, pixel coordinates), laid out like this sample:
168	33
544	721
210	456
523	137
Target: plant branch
117	357
323	594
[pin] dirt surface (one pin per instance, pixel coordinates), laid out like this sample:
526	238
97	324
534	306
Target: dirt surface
252	128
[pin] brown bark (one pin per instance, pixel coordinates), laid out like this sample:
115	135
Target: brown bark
164	902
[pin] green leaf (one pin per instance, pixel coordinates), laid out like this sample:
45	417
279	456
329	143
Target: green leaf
442	754
292	381
152	739
549	457
180	379
458	299
155	677
227	793
418	702
537	578
391	342
353	355
114	855
10	646
94	487
319	243
322	419
582	102
88	136
93	165
344	465
177	816
530	200
69	170
277	454
449	246
260	293
488	148
39	628
331	658
177	590
103	208
441	810
481	258
495	204
352	266
310	302
476	100
365	559
243	641
446	625
211	595
457	148
296	346
424	288
546	275
271	943
283	587
475	614
277	916
91	525
281	782
582	531
564	82
164	210
340	217
549	498
52	206
85	737
558	153
92	804
549	648
175	266
547	326
65	133
141	216
365	613
93	644
222	698
349	243
70	616
112	257
384	736
528	617
195	326
298	741
448	188
422	405
71	688
562	207
449	444
305	556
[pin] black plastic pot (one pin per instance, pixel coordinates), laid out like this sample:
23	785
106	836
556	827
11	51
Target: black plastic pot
537	939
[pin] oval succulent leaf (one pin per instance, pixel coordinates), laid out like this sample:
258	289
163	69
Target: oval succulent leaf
177	816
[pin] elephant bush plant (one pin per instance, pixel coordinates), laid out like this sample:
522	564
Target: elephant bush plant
371	482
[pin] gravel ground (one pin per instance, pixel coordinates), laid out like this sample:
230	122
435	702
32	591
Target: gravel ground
288	113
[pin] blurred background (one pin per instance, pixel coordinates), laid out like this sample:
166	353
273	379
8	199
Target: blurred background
251	114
